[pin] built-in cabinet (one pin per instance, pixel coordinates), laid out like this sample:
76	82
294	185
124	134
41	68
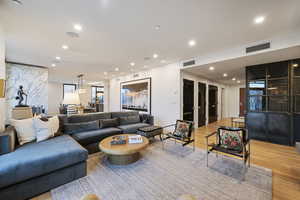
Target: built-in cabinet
273	101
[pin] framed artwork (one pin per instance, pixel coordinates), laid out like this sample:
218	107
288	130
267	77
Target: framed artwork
2	88
136	95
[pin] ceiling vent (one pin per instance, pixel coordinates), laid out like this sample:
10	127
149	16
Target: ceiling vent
258	47
189	63
72	34
18	2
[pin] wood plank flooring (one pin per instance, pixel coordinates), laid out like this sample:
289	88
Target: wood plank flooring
283	160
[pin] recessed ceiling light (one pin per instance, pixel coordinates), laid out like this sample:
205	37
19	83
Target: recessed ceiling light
295	65
192	43
233	79
157	27
211	68
58	58
238	81
225	75
259	20
65	47
116	69
132	63
77	27
163	61
53	65
155	55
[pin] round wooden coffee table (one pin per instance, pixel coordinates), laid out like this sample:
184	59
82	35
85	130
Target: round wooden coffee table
122	154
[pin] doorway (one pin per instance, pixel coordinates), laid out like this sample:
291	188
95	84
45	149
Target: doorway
201	104
242	102
188	100
213	103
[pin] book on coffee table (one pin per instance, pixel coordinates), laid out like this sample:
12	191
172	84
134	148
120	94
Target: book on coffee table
135	139
118	140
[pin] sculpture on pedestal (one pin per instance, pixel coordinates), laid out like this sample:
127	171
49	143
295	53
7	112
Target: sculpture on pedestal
20	97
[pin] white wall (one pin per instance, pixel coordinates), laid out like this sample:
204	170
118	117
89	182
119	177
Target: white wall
2	76
197	79
106	96
165	92
55	97
233	100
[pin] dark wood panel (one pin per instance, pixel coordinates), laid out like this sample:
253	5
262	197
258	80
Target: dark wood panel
213	103
256	124
201	104
278	125
242	101
188	100
297	127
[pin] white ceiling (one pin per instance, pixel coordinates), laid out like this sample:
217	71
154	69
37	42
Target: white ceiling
117	32
235	68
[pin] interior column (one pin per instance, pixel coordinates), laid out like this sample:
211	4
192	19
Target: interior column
2	76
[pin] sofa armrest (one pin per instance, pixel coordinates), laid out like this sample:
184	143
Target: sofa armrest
7	140
147	118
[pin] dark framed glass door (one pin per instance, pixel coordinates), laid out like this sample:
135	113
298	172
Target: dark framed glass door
188	100
212	103
201	104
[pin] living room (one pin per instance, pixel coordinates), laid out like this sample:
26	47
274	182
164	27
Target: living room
107	100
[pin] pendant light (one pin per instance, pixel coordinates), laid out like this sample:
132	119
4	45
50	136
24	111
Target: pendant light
80	88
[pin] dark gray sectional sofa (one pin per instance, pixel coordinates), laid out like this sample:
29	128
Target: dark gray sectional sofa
90	135
35	168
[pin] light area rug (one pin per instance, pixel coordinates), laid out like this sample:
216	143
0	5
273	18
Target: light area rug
165	174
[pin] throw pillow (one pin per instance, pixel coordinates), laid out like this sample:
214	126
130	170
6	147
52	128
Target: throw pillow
231	140
182	129
71	128
43	129
25	130
130	120
54	123
106	123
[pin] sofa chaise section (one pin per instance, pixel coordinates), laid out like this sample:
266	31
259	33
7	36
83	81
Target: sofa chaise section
35	168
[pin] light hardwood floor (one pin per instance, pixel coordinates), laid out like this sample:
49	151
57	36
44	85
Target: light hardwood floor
283	160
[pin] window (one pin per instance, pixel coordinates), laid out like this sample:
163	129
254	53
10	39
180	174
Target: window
68	88
97	94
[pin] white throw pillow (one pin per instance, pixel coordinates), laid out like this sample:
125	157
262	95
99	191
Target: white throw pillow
45	129
54	123
25	130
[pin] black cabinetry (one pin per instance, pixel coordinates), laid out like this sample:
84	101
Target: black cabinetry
273	101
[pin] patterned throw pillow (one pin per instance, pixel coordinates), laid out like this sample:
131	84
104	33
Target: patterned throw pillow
231	140
182	129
